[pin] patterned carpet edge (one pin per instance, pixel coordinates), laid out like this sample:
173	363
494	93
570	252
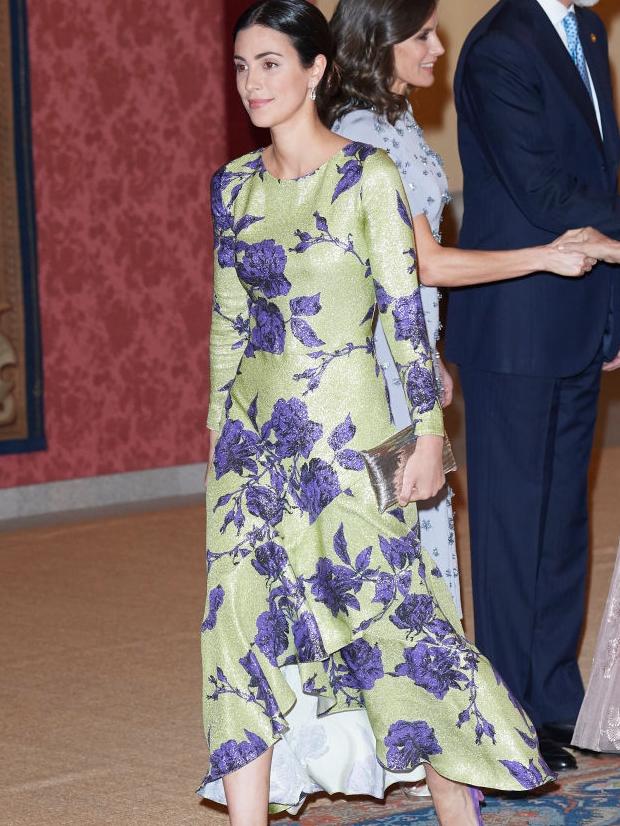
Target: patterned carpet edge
589	796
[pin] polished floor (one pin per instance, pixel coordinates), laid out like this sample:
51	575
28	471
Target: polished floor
100	671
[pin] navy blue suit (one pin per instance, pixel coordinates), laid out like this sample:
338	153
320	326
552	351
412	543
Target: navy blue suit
530	350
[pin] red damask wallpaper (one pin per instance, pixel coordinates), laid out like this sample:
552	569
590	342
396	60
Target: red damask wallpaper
129	121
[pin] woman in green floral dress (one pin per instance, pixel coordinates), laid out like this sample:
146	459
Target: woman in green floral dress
314	596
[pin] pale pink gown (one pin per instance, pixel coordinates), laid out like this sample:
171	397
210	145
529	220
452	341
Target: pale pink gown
598	725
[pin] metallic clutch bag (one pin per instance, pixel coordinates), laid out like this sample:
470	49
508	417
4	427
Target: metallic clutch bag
386	464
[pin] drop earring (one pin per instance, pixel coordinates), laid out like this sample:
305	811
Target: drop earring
313	93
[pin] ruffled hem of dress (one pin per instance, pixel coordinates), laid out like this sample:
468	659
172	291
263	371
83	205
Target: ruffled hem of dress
326	636
293	801
333	754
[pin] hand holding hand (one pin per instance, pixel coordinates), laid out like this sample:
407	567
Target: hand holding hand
423	475
568	260
591	243
573	236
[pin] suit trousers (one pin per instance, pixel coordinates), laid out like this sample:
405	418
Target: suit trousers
529	443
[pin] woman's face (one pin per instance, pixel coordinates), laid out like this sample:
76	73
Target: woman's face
272	83
415	58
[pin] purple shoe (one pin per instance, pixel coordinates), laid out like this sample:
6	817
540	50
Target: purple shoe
476	798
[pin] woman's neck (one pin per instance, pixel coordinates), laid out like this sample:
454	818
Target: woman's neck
299	146
399	87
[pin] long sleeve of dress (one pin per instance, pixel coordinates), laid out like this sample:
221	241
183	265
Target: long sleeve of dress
230	319
423	181
393	262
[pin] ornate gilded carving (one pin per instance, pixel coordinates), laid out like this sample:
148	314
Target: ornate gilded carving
8	359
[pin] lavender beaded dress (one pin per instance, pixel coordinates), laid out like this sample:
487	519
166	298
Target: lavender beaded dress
426	185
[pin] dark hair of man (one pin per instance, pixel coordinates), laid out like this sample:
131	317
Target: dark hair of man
308	30
365	33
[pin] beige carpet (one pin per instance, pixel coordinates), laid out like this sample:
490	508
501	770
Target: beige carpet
100	679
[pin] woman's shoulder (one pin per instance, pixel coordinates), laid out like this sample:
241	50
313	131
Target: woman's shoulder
357	116
238	169
364	125
376	162
251	161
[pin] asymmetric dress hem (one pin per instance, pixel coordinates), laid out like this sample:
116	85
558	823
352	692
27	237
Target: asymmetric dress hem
313	594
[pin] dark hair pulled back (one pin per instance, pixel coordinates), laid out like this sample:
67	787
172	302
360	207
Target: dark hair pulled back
364	34
309	32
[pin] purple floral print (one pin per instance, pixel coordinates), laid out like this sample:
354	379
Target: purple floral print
268	332
272	635
294	432
401	552
432	668
385	588
409	320
231	755
408	744
415	611
265	503
306	305
235	450
364	665
226	251
335	585
216	600
222	215
262	267
319	486
384	300
421	388
260	684
351	170
270	560
528	776
403	211
307	638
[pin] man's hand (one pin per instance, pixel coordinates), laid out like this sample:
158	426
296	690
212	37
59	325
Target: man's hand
609	366
591	243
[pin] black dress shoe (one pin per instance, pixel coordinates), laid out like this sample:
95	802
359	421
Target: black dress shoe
556	757
562	733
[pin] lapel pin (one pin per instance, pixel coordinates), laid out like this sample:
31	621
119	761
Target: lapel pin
593	37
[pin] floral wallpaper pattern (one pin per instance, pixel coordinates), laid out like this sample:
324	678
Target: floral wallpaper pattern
129	123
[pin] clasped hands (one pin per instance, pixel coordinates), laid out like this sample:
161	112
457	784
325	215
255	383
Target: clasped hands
591	243
577	251
598	247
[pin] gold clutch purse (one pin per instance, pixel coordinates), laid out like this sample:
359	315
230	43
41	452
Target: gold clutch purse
386	463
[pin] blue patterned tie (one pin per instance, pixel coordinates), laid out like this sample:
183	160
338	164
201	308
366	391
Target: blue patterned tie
575	48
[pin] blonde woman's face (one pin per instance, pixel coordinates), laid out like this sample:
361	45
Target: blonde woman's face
415	58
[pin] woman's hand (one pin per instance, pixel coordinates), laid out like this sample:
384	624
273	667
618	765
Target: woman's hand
213	437
592	243
567	259
423	475
447	383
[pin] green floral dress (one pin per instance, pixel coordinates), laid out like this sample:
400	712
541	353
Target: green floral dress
304	573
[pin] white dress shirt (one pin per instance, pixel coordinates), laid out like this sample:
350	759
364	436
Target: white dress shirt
556	11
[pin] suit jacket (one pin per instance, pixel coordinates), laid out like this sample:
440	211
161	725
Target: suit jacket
534	166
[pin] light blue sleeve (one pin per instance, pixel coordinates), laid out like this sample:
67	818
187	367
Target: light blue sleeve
360	125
